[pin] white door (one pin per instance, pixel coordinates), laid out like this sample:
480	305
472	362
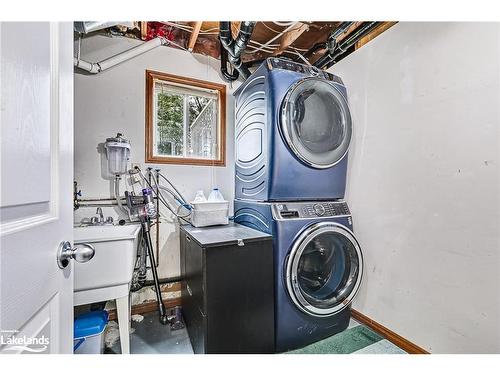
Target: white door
36	148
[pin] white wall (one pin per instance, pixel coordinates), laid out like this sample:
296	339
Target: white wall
424	182
114	101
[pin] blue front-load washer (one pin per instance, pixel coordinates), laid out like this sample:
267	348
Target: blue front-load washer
318	266
293	129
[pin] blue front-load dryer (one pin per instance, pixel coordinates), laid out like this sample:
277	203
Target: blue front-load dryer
318	266
293	129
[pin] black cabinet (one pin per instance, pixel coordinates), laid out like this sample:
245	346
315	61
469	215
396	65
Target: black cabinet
228	289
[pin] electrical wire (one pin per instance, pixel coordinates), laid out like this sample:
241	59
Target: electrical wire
178	26
254	46
303	58
269	28
288	23
277	36
211	31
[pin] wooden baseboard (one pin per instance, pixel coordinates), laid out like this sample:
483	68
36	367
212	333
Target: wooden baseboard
386	333
147	307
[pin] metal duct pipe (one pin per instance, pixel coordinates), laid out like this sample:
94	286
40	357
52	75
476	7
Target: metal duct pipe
229	77
235	47
100	66
337	50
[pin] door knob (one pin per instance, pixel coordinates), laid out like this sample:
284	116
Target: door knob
81	253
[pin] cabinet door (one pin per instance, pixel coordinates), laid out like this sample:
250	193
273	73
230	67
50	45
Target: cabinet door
240	298
192	291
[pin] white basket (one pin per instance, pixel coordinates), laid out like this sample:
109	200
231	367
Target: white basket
90	344
205	214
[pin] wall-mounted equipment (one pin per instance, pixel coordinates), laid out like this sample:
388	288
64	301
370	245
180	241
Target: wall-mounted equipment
117	153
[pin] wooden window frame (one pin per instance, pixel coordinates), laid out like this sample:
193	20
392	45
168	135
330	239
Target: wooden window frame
221	119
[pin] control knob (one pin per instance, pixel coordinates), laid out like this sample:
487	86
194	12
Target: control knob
319	209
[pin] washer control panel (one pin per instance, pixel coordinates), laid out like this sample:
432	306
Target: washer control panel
277	63
297	210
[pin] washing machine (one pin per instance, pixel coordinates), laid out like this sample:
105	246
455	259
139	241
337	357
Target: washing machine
318	266
293	130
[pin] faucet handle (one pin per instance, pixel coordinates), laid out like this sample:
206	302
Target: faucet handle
109	220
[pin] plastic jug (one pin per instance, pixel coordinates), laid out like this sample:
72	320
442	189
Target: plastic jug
200	197
215	196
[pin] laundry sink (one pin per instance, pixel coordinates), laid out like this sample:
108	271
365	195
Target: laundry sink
114	259
108	274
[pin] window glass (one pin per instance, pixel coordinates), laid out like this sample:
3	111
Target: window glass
184	121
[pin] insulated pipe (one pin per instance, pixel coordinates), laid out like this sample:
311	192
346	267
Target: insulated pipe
330	42
236	47
328	57
350	42
100	66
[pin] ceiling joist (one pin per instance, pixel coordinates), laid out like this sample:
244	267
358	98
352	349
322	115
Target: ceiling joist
144	29
194	35
379	30
291	36
298	40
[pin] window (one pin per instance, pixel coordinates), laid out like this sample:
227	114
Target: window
185	120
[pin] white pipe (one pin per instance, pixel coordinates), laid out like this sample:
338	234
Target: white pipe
118	197
86	27
100	66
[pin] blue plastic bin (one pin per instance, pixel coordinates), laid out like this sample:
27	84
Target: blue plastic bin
89	332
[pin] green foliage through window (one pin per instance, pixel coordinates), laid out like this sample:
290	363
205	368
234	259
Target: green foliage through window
198	130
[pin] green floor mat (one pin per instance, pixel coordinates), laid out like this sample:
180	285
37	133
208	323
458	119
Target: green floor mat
345	342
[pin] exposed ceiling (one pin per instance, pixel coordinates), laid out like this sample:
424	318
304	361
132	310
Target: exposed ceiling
269	38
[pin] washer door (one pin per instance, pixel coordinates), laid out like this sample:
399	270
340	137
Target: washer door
316	122
323	271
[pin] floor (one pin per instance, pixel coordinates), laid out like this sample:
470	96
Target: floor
150	337
356	339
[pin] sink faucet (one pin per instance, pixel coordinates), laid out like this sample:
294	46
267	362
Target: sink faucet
101	216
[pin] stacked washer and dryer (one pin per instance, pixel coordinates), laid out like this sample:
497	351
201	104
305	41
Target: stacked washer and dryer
293	129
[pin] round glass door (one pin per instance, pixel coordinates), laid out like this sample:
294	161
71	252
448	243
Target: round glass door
316	122
324	269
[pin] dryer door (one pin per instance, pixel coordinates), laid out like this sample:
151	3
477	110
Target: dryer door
323	271
316	122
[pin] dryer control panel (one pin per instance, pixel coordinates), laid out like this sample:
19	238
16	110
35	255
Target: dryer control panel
277	63
298	210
